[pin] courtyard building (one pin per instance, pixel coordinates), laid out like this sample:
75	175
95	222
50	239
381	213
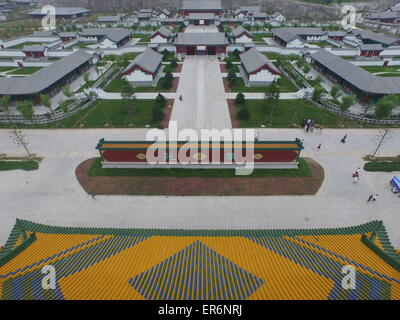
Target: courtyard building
48	80
370	37
35	51
201	19
241	35
201	6
370	50
336	35
106	37
108	21
201	43
145	69
162	35
62	13
258	70
68	36
354	80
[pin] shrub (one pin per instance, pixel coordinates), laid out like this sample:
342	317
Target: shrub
157	114
161	101
240	99
243	114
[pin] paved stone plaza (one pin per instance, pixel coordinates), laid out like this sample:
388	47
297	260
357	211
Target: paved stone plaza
204	102
52	195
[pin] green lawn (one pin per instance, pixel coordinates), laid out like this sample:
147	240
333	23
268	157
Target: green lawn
273	55
389	74
374	69
116	85
6	69
323	44
113	113
25	70
101	112
284	83
290	113
144	38
27	165
385	166
83	45
258	37
96	170
85	86
21	45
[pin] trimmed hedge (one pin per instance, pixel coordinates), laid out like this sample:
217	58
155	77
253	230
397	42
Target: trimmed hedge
382	166
27	165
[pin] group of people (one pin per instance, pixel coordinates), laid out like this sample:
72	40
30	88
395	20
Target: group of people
356	176
308	125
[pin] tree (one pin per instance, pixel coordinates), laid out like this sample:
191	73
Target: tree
67	91
335	91
161	101
18	138
157	114
243	114
319	79
272	92
86	77
64	106
26	109
347	102
306	68
46	101
231	77
5	103
127	91
240	99
385	106
317	93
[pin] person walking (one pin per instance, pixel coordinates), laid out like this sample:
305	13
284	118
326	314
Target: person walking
257	136
375	197
319	147
93	196
370	198
344	139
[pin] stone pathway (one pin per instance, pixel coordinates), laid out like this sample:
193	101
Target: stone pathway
204	102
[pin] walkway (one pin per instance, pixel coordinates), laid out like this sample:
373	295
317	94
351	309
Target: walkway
204	102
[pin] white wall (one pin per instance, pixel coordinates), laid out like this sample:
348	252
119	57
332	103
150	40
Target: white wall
244	39
296	43
262	76
139	76
158	39
17	41
106	43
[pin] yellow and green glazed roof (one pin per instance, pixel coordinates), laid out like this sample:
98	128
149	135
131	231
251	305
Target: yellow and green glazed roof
95	263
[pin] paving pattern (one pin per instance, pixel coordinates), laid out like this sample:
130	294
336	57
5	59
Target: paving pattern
53	196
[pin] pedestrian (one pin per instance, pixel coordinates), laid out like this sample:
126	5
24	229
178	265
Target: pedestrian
375	197
257	136
307	128
319	147
370	198
344	138
93	196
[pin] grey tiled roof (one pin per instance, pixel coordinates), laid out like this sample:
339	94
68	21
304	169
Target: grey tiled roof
377	37
164	32
305	31
358	77
253	60
383	15
201	38
114	34
285	35
34	48
371	47
67	34
202	5
201	16
148	60
239	30
109	19
61	11
336	34
44	78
